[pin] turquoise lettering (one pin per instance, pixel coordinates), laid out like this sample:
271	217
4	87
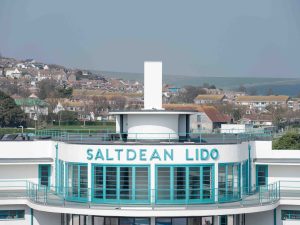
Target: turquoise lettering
119	153
133	154
89	153
214	154
143	154
107	155
188	158
99	155
204	154
155	155
168	154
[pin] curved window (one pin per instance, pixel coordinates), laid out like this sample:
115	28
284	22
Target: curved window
77	186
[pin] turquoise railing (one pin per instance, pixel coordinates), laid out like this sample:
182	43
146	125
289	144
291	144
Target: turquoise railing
199	137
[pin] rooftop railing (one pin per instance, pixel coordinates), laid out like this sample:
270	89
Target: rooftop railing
163	138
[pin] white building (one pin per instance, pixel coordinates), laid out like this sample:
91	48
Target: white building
261	102
150	176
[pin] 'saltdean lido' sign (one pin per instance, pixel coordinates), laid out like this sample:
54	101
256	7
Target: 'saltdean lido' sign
148	154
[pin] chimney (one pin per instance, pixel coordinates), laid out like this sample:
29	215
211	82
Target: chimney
153	85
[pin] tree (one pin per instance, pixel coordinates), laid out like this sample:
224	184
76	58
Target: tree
49	88
237	114
68	115
118	102
189	94
100	104
11	115
290	140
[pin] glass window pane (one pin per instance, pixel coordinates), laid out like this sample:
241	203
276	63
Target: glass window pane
163	221
126	221
141	183
142	221
163	183
111	221
194	183
111	182
97	220
179	183
179	221
126	183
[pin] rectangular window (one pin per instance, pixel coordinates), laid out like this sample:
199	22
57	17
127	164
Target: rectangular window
290	214
127	183
261	175
206	220
181	183
229	182
223	220
245	178
77	181
12	214
44	175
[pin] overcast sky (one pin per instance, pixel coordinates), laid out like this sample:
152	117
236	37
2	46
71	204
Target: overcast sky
199	38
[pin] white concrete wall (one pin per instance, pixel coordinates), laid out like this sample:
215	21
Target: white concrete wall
46	218
149	124
286	222
26	149
261	218
18	172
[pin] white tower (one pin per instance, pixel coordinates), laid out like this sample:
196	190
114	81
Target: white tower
153	85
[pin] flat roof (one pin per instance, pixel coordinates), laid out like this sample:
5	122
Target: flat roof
158	112
277	161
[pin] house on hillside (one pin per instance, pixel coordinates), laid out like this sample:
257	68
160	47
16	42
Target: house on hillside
205	119
33	106
12	73
261	102
209	99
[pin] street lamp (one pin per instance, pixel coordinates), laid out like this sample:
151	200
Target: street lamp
22	129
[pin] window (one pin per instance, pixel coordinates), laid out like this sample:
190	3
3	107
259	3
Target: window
98	220
78	220
290	214
125	183
206	220
12	214
229	182
44	175
223	220
245	177
261	175
77	181
181	183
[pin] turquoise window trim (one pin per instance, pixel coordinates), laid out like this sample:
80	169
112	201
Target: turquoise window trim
186	189
262	169
48	169
69	190
133	196
230	194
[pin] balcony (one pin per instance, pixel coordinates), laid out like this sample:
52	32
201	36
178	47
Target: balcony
86	198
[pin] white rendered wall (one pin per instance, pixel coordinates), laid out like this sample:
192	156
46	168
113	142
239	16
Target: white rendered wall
46	218
148	124
19	172
262	218
152	85
286	222
27	149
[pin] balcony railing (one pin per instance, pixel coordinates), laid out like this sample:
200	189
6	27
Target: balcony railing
166	138
87	198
